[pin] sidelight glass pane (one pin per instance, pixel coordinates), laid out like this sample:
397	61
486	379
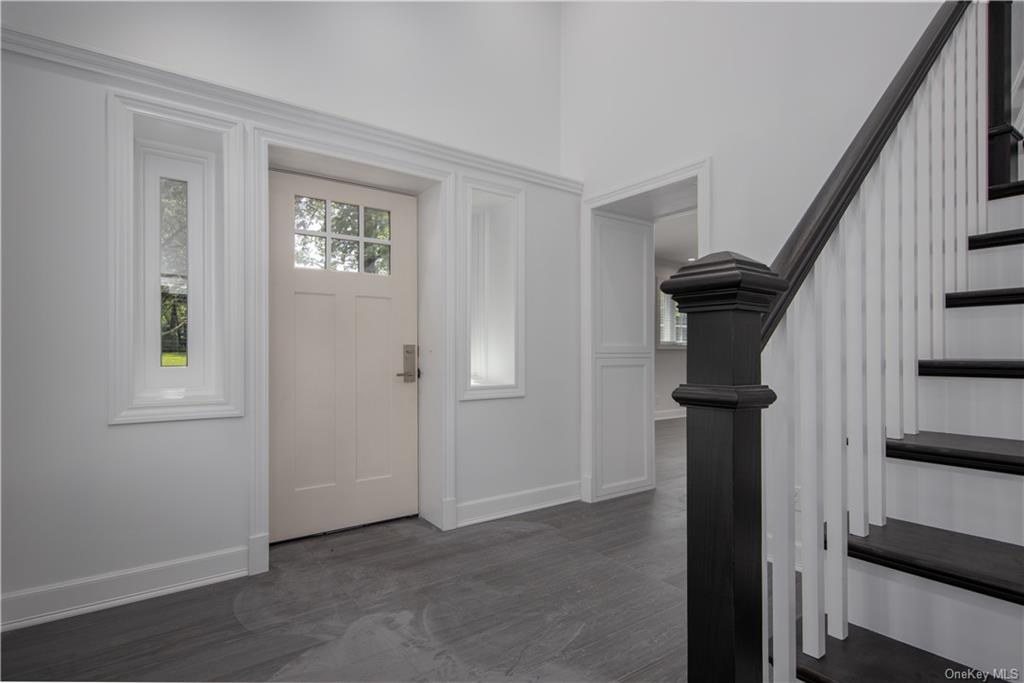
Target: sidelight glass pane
309	251
345	255
310	214
376	258
173	272
377	223
344	219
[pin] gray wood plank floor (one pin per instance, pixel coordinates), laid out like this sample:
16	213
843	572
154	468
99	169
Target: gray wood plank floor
571	593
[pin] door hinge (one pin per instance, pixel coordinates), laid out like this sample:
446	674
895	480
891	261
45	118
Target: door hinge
825	535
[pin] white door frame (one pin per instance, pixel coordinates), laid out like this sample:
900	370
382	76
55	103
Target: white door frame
699	169
437	460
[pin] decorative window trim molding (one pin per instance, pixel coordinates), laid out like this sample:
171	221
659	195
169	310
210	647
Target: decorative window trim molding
134	396
467	391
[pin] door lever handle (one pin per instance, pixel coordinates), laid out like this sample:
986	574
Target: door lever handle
408	363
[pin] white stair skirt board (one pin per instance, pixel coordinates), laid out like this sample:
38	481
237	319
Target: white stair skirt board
100	591
996	267
976	502
1006	214
970	405
981	332
496	507
670	414
976	630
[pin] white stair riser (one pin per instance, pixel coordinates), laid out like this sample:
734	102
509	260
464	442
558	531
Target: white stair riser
967	627
996	267
987	504
1006	214
985	332
969	405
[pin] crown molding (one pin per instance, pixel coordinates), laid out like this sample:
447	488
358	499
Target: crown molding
258	107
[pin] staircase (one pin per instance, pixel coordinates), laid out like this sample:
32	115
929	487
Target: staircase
946	571
892	353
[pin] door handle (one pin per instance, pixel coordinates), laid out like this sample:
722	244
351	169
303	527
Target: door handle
408	364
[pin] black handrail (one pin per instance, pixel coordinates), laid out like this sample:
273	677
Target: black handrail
798	254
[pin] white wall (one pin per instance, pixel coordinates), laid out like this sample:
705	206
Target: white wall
481	77
81	498
772	92
95	513
529	446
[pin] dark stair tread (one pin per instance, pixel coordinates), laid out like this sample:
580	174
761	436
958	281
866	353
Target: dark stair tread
868	657
985	297
999	238
977	564
953	367
1006	190
960	450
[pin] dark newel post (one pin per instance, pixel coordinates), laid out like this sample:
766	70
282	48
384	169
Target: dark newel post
724	296
1003	138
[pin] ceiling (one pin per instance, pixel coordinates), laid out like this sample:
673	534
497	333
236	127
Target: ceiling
657	203
675	238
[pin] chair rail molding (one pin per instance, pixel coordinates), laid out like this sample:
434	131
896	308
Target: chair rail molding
264	108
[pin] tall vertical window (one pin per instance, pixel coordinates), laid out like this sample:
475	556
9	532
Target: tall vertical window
494	236
177	255
671	323
173	272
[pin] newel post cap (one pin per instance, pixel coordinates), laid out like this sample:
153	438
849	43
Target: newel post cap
724	280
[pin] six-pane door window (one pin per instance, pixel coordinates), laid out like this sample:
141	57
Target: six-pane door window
347	238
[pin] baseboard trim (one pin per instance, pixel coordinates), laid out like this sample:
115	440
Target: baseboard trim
64	599
670	414
496	507
626	488
449	513
259	553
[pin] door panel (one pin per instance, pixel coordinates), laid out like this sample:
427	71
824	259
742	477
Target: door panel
342	306
623	343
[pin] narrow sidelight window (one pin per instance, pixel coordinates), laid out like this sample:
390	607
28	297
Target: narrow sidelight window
173	272
493	313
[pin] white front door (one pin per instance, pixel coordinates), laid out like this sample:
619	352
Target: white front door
342	321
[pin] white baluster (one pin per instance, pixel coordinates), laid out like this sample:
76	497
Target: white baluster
780	484
808	449
923	233
874	392
981	28
962	154
971	97
891	262
908	269
830	277
938	217
949	165
856	456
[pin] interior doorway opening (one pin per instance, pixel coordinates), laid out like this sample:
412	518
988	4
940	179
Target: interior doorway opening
634	338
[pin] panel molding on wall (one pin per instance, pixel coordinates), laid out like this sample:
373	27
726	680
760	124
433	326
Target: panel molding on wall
621	420
611	308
